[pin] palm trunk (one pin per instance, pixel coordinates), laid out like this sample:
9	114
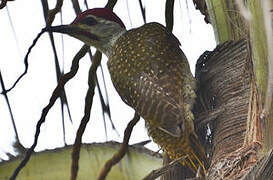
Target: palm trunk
238	84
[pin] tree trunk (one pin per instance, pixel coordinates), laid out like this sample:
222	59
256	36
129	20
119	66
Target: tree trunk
226	87
235	82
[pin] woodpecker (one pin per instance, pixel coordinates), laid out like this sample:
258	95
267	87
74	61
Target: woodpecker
151	74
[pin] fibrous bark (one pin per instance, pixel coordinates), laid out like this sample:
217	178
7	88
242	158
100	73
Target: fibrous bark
226	83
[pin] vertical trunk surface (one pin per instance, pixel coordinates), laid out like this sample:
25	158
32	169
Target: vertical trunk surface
236	84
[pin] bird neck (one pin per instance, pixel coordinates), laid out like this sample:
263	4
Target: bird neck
108	42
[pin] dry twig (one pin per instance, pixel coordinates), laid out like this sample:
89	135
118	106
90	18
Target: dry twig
86	117
169	15
160	171
88	99
25	62
51	13
123	149
56	93
3	4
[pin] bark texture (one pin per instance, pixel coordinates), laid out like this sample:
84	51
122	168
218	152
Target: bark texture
226	91
226	106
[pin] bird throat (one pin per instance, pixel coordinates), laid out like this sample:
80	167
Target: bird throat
107	47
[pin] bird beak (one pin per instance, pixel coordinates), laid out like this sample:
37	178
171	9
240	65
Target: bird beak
72	30
64	29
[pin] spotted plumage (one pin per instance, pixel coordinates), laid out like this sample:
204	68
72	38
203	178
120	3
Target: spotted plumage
151	74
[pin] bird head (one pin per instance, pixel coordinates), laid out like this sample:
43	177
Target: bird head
98	27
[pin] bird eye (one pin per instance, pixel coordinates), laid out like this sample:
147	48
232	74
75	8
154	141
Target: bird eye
90	21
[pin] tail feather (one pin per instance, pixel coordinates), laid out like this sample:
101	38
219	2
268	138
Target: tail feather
198	156
177	172
195	156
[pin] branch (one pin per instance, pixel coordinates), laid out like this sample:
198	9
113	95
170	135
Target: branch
9	107
158	172
51	13
142	8
169	15
88	100
56	93
86	117
123	149
3	4
25	62
49	16
111	4
76	6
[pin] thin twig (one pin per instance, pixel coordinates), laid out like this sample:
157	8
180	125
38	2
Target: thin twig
86	4
25	62
104	104
76	6
142	143
111	4
169	15
86	117
56	93
160	171
45	7
3	4
10	112
88	100
49	17
122	151
64	101
52	13
143	12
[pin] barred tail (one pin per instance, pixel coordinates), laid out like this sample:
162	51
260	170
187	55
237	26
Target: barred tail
195	158
177	172
198	157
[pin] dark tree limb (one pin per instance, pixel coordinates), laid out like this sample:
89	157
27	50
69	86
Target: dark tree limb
88	99
76	6
49	16
160	171
86	117
3	4
169	14
56	93
52	13
111	4
9	107
25	62
122	151
143	11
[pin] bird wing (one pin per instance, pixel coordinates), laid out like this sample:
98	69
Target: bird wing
156	106
152	75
